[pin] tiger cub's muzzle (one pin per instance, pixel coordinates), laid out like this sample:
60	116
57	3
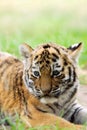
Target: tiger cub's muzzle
48	93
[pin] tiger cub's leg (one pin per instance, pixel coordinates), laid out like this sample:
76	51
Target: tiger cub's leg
79	115
41	119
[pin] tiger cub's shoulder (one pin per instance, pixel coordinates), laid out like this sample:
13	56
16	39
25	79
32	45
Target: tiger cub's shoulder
4	56
9	63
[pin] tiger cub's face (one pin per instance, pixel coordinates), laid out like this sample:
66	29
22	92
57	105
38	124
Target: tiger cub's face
50	69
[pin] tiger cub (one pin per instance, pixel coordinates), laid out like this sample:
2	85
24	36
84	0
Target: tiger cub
43	86
50	74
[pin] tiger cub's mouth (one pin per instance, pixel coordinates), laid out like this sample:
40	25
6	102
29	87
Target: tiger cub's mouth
49	98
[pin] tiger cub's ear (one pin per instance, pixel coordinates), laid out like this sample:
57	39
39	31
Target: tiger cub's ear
74	51
25	50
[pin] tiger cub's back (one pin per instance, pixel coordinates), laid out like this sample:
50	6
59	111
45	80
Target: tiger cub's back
11	70
4	55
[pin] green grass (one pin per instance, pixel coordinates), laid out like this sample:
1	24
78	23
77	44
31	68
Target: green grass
19	125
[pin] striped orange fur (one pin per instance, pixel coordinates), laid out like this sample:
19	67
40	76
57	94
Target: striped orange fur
15	95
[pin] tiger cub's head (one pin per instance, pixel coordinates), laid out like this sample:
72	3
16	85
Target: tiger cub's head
50	69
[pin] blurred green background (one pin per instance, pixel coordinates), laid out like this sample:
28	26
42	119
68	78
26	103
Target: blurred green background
40	21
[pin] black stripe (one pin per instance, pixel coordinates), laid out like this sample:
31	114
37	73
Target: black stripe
69	111
67	88
61	76
47	62
57	105
4	69
33	67
56	65
19	77
65	62
55	56
74	75
15	86
70	96
39	109
36	57
28	113
29	116
57	50
74	104
46	46
16	79
24	99
77	110
70	73
18	90
51	108
73	93
21	80
4	66
62	69
54	59
33	76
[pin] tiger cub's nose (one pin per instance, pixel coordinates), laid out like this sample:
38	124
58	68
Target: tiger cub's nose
46	92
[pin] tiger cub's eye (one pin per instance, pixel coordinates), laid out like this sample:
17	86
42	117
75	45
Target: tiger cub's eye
55	73
36	74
